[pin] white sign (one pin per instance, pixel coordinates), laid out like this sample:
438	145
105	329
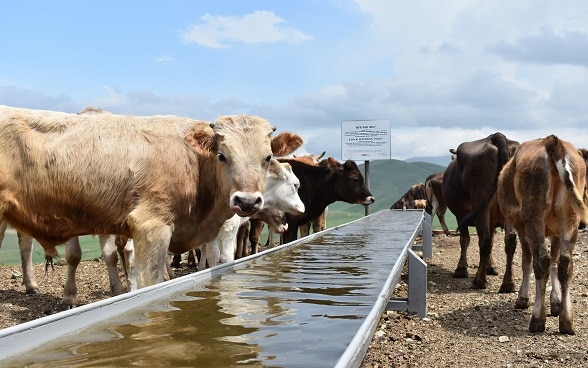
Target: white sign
365	140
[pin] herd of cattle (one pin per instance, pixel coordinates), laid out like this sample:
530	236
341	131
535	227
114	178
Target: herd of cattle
153	185
535	189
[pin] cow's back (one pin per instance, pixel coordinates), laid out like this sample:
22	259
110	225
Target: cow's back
48	159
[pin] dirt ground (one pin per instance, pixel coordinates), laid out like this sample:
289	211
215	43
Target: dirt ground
463	328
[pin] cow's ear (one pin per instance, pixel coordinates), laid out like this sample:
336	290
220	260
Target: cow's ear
203	140
350	165
274	169
285	143
334	164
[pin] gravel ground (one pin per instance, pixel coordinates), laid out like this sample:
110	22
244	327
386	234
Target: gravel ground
463	328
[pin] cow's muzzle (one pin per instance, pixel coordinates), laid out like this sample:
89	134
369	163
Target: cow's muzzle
368	200
246	204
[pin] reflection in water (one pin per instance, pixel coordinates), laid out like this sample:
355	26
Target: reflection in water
277	310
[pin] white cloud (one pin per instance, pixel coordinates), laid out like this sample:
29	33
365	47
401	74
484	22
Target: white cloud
164	58
258	27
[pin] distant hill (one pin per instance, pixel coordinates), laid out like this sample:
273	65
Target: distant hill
438	160
389	180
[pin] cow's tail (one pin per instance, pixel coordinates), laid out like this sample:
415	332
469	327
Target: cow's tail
500	141
556	151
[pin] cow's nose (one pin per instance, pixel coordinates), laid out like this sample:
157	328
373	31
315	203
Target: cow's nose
246	204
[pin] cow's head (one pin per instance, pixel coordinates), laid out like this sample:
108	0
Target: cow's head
281	188
243	147
350	185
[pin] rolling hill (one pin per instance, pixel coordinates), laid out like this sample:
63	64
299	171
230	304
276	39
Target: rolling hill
389	180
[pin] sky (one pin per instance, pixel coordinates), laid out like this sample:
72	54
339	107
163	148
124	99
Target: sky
442	72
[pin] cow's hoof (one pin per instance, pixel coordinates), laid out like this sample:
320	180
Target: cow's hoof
522	303
566	327
478	284
192	265
175	264
507	287
461	273
555	309
34	291
536	325
491	270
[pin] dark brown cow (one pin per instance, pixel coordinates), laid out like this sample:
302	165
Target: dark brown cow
435	202
323	184
162	180
541	193
319	223
469	190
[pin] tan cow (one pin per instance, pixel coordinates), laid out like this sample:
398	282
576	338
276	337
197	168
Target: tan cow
540	192
162	180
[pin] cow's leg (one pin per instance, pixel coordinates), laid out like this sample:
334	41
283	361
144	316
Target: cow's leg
176	260
462	265
510	247
73	256
151	241
212	253
441	217
485	267
25	245
191	259
541	263
320	223
304	229
129	251
110	255
228	238
527	263
202	258
255	229
555	297
243	238
565	272
254	236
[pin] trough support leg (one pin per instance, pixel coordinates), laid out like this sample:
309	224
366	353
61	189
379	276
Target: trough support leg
417	288
427	236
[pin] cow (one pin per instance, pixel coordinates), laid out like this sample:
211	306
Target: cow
255	228
469	190
280	194
407	201
319	223
323	184
541	193
435	202
168	182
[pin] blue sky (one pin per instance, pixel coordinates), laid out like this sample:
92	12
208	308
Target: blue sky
442	72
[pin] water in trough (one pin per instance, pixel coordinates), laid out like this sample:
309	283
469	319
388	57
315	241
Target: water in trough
297	307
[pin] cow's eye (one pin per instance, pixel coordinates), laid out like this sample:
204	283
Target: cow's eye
221	157
268	158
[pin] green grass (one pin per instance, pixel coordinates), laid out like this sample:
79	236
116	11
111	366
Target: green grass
10	254
389	180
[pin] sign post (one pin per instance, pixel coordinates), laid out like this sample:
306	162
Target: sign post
365	140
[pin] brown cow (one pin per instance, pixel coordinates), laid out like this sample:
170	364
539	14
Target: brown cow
469	190
162	180
435	202
540	191
407	201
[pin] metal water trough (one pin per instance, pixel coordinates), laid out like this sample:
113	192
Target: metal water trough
404	225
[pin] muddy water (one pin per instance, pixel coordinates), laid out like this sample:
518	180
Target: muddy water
298	307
